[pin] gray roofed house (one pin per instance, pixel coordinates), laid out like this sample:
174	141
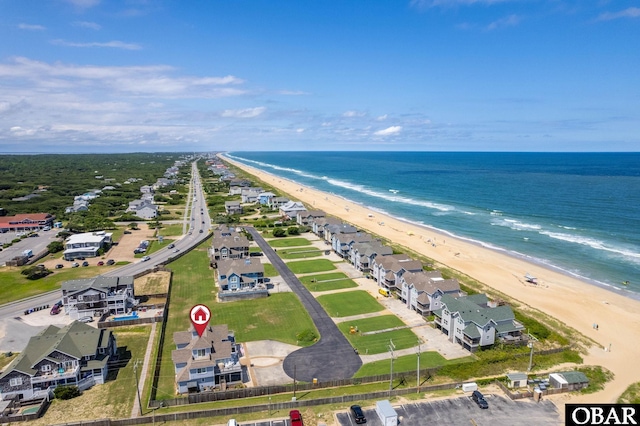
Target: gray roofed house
422	291
232	207
571	380
276	202
291	209
76	354
341	242
387	270
227	244
363	253
97	296
470	322
239	274
307	217
320	225
206	362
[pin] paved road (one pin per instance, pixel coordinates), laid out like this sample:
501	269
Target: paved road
15	334
332	357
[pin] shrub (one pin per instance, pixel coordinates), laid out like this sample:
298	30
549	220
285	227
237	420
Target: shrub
279	232
306	336
293	230
55	247
66	392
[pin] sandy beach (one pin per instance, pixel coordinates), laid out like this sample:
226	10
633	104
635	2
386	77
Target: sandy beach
573	302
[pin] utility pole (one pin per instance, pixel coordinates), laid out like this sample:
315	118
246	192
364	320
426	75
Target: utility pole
418	370
391	348
530	356
294	381
135	372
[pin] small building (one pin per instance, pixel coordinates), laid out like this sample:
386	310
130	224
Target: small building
240	274
570	380
516	380
291	209
98	296
232	207
88	244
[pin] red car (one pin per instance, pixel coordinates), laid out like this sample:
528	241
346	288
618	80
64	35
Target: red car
296	418
100	263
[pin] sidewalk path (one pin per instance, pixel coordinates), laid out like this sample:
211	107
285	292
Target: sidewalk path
135	411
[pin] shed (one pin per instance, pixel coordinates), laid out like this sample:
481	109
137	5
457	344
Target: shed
516	380
386	413
571	380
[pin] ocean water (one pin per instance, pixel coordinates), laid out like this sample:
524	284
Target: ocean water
575	212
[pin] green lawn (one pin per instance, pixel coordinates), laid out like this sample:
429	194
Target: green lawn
310	266
289	242
327	282
378	343
15	286
155	245
349	303
408	363
299	254
173	230
270	270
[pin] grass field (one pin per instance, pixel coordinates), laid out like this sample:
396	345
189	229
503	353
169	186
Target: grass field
278	317
269	270
327	282
349	303
173	230
113	399
299	253
378	343
289	242
404	363
310	266
15	286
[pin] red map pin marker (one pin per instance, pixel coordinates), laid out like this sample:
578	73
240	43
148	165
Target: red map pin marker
200	316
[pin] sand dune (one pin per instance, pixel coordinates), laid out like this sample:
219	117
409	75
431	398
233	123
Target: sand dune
573	302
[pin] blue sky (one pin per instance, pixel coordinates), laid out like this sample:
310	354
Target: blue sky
453	75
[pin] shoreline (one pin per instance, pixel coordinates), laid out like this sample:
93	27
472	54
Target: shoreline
572	301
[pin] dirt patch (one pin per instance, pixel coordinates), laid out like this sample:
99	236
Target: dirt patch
152	283
128	242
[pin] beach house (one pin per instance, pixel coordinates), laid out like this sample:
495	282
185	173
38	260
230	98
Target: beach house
307	217
88	244
387	270
239	274
232	207
473	322
291	209
76	354
422	291
362	254
341	243
97	296
207	362
227	243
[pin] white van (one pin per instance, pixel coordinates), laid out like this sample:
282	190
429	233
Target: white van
232	422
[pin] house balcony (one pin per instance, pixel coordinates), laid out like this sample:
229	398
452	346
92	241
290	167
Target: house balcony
56	375
471	342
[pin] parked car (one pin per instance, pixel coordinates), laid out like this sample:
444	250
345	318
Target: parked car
58	304
55	310
59	266
201	231
75	264
478	398
144	259
232	422
111	262
127	232
255	254
358	415
100	263
86	319
85	263
296	418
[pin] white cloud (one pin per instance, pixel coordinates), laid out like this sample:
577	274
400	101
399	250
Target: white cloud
19	131
31	27
382	117
508	21
113	44
243	113
631	12
350	114
89	25
393	130
292	92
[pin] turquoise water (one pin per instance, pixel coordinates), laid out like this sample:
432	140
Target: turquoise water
575	212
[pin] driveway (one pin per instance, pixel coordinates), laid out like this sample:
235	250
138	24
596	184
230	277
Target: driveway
332	357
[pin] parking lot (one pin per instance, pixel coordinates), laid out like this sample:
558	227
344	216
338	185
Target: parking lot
36	244
463	411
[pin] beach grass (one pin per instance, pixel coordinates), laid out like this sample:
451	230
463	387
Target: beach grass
299	254
346	304
289	242
311	266
173	230
631	395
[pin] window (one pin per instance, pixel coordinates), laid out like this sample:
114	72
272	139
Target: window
16	381
45	368
80	298
200	370
200	352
